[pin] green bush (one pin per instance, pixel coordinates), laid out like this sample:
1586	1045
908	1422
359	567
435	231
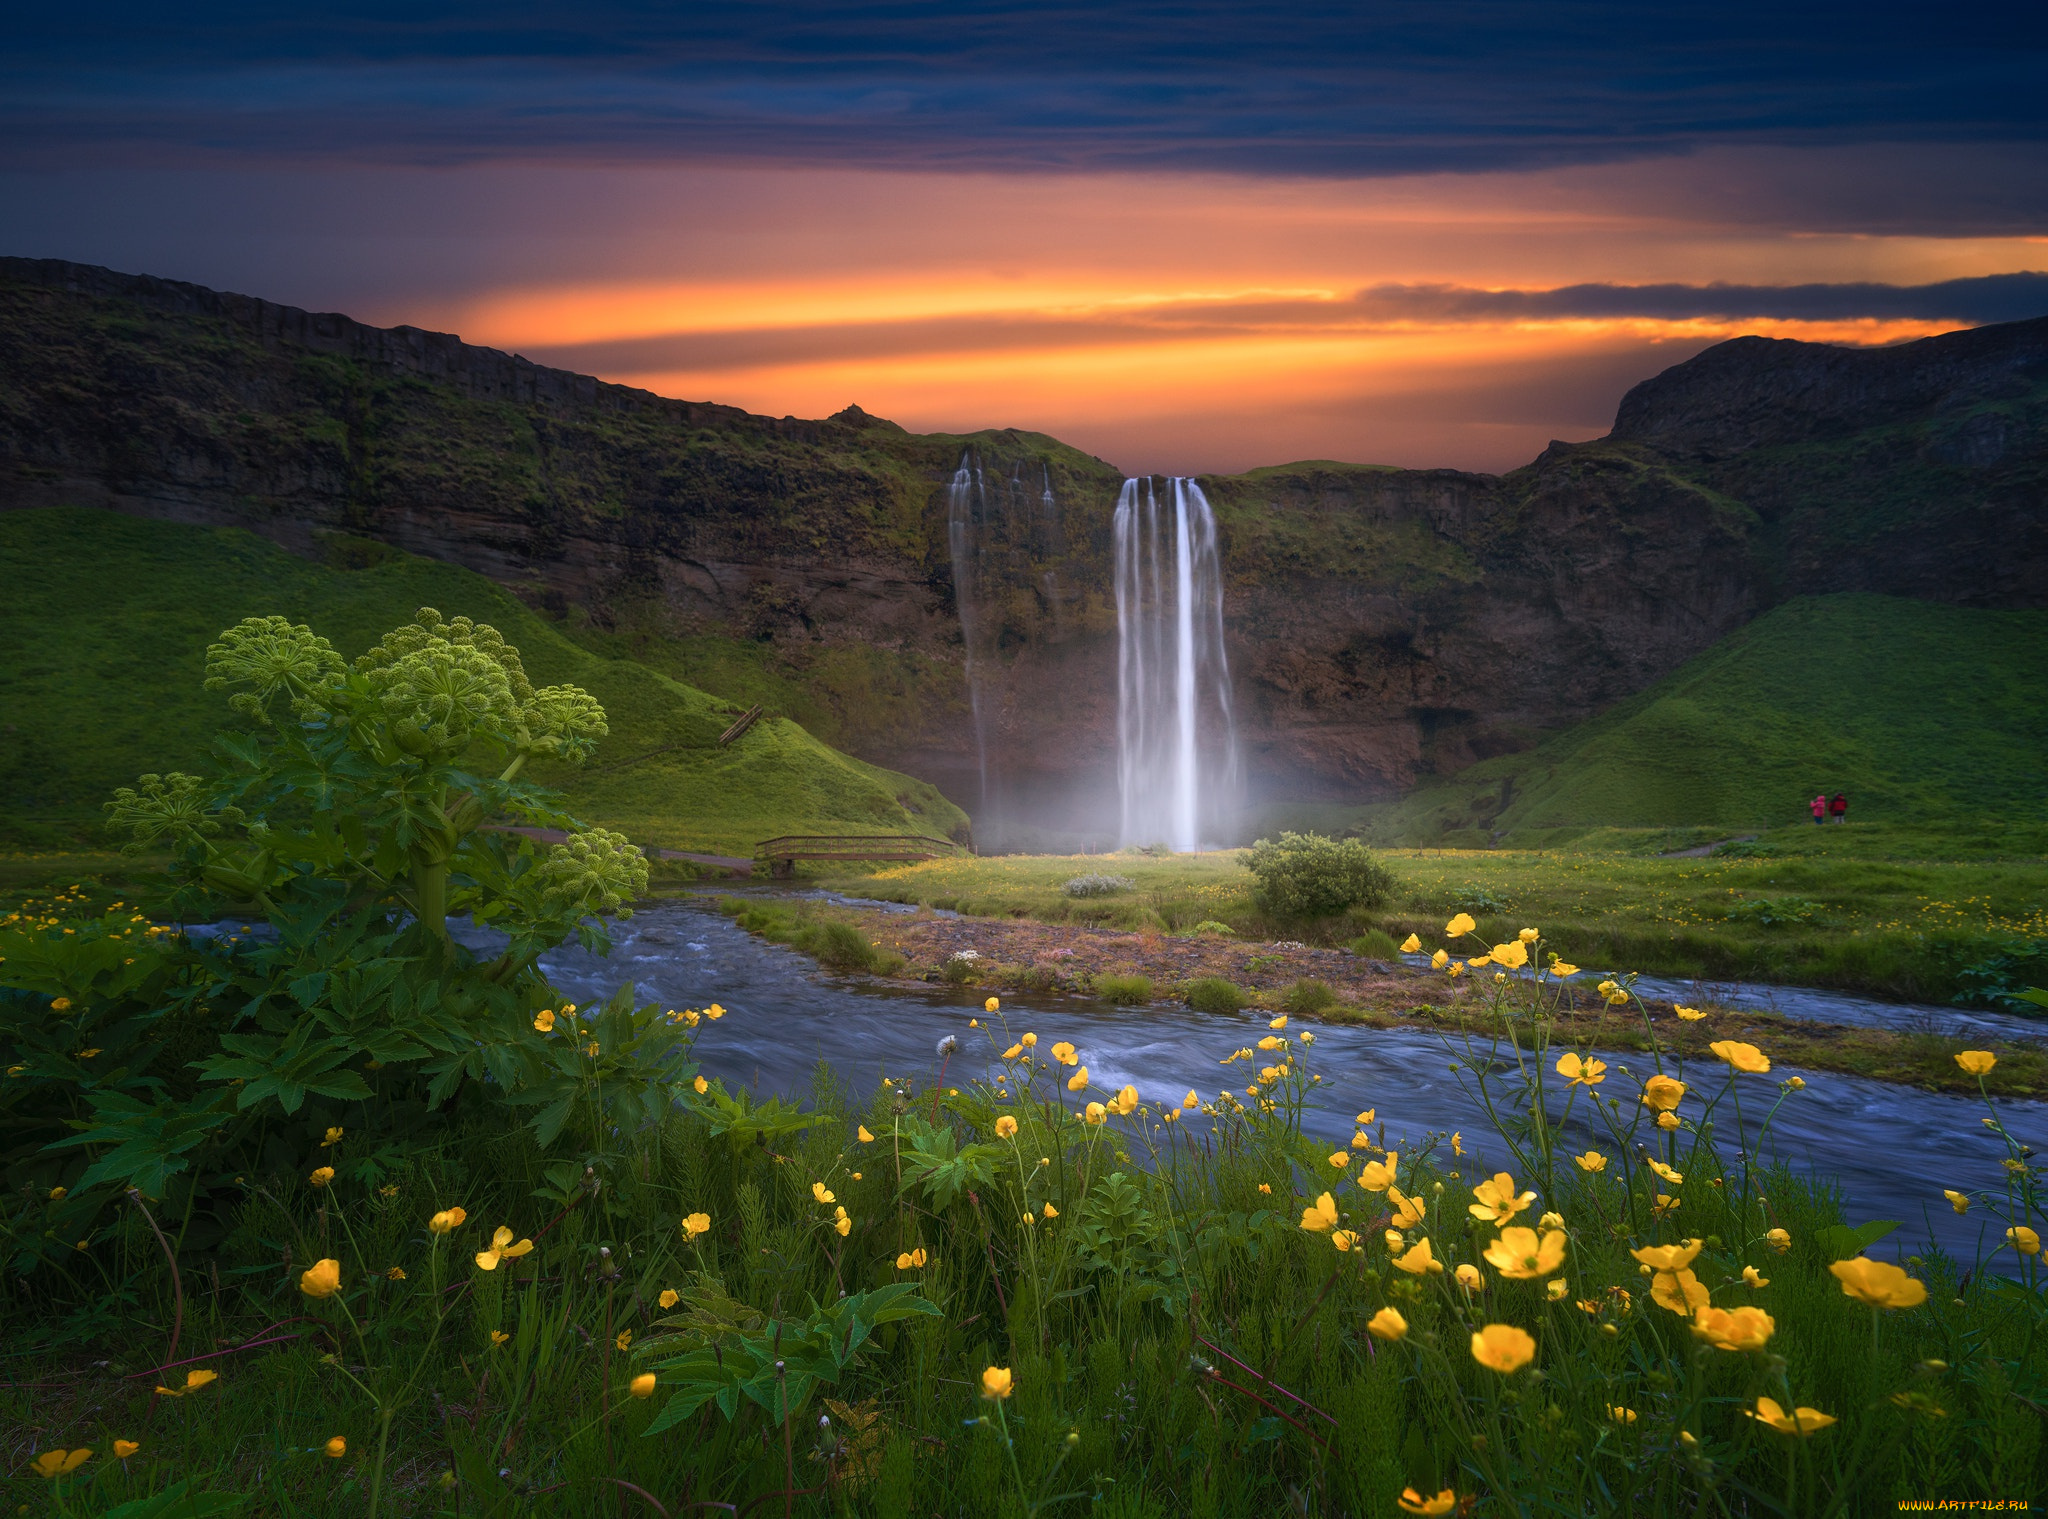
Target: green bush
1375	944
1213	994
1308	996
1305	875
1209	926
1127	990
841	947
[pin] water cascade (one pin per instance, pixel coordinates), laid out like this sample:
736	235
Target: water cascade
1177	768
966	506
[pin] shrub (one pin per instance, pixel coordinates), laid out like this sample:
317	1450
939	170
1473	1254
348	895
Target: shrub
1307	996
1095	884
1376	944
1480	902
1127	990
1211	926
1212	994
841	947
1305	875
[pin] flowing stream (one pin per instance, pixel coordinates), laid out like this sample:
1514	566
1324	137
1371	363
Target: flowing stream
1176	739
1891	1149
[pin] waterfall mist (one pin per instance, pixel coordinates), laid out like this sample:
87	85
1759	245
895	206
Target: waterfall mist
1177	766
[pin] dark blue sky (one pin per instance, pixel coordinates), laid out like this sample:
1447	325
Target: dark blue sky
1341	89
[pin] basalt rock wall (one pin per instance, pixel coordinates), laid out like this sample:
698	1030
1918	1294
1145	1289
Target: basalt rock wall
1382	624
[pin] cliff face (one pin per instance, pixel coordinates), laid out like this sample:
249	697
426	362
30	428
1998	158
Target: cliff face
1382	624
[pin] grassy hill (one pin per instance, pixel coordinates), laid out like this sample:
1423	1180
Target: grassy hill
1917	711
106	622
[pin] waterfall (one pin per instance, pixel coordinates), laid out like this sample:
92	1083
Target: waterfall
965	504
1176	740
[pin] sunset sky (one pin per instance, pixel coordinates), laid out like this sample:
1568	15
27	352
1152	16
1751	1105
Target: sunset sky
1185	237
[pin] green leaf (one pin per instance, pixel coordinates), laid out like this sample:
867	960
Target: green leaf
1840	1241
178	1501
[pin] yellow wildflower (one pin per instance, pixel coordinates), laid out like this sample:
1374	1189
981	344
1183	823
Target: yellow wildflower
996	1383
1514	954
1688	1014
1461	924
194	1380
1779	1240
1959	1201
1439	960
1064	1053
642	1386
544	1020
1802	1422
1741	1057
696	1224
1676	1178
321	1177
1503	1348
1976	1062
1586	1073
60	1463
1321	1216
1006	1127
1498	1201
1733	1328
1412	1502
822	1193
1387	1324
841	1223
1879	1283
1663	1093
1078	1082
1408	1211
1680	1291
1469	1277
2026	1241
123	1449
322	1279
1520	1255
1621	1415
446	1220
1410	945
333	1138
502	1249
1420	1261
911	1260
1754	1277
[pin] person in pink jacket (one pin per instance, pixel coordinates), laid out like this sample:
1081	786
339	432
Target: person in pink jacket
1819	806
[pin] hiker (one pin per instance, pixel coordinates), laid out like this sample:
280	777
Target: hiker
1819	805
1840	808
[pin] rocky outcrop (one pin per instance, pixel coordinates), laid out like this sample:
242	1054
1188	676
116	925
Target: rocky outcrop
1382	624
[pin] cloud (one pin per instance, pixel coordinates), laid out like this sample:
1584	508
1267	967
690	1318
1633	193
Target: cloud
1331	87
1992	298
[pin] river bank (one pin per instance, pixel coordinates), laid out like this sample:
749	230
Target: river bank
1003	956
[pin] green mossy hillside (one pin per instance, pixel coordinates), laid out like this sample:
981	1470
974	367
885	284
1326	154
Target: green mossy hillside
1916	710
108	617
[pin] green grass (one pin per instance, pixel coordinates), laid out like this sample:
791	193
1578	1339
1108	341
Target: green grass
107	620
1885	912
1917	711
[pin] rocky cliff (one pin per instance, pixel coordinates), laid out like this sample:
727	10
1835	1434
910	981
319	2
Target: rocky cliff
1383	624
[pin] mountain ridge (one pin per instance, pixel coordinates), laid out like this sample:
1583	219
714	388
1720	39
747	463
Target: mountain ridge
1384	625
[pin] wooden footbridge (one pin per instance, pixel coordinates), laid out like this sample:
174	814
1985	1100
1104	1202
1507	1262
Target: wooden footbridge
783	854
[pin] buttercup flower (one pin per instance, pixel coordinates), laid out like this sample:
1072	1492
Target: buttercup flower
1461	924
502	1249
1976	1062
1689	1014
1410	945
1412	1502
625	1339
1779	1240
1344	1239
60	1463
1754	1277
1408	1211
821	1193
1339	1159
1078	1082
1367	1116
1063	1052
1879	1283
1592	1160
1050	1211
333	1138
1469	1277
696	1224
1663	1093
1006	1127
1621	1415
1733	1328
1680	1291
322	1279
1668	1257
1802	1421
911	1260
1956	1200
1387	1324
1530	935
1191	1101
321	1177
1503	1348
1521	1255
700	1086
2026	1241
669	1297
996	1383
1378	1175
1676	1178
1094	1113
1668	1121
1029	1041
1514	954
1013	1052
123	1449
1741	1057
544	1020
1497	1200
1439	960
1419	1261
1559	969
194	1380
1321	1217
499	1337
1587	1073
841	1223
991	1006
642	1386
395	1273
861	1133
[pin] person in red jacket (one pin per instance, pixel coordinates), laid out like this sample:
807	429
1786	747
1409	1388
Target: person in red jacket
1840	808
1819	806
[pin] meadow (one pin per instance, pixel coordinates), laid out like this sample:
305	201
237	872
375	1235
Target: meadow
1895	911
348	1217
